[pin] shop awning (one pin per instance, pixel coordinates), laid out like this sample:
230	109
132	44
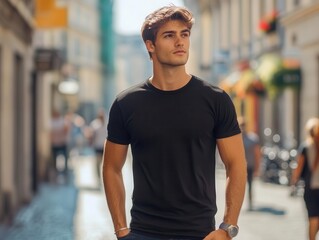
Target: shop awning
249	83
276	71
229	81
287	77
239	83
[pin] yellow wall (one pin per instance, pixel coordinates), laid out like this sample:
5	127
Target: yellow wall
246	107
47	15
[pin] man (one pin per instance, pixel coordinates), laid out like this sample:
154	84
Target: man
173	122
253	156
98	129
308	170
58	136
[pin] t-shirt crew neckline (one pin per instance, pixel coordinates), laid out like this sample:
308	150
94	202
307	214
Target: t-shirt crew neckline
151	86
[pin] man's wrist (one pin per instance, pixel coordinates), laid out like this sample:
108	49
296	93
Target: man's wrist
231	230
122	231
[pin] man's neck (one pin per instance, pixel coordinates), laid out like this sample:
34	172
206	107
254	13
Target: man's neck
170	79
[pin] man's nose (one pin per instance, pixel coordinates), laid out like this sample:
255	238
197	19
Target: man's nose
179	42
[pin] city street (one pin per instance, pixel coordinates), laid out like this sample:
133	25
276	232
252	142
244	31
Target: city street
78	211
67	66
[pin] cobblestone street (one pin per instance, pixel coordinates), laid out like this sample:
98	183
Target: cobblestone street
186	84
49	216
78	211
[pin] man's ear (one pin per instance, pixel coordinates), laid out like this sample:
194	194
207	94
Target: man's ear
150	46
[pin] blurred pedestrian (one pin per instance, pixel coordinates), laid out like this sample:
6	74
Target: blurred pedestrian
173	122
253	157
76	136
59	132
98	129
308	169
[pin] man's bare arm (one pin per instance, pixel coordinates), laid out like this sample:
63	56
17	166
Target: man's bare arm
298	171
232	154
257	154
113	160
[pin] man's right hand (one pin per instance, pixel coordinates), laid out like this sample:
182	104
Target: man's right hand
123	233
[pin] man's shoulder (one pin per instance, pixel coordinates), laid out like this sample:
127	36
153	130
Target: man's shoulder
131	91
206	85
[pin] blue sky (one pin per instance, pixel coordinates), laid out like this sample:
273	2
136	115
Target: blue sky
130	14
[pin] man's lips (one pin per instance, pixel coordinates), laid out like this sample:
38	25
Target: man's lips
179	52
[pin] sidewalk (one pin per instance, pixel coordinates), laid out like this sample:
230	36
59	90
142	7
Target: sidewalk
73	211
92	220
276	215
49	216
78	210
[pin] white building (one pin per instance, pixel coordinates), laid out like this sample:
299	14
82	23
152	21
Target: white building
302	39
239	37
67	47
78	37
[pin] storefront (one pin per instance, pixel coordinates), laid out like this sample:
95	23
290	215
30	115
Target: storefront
281	109
246	90
267	94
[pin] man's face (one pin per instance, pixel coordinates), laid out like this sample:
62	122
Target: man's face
171	44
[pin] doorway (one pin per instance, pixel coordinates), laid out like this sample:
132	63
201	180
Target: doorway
18	118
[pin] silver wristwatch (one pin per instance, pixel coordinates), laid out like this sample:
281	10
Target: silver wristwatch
232	230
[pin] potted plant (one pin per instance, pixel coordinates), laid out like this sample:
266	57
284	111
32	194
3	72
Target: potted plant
268	24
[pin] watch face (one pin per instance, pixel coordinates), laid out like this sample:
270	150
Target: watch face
233	231
230	229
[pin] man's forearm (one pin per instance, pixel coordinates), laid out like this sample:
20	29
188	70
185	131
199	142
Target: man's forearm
115	195
235	192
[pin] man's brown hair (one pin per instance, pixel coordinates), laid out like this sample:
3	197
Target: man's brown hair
161	16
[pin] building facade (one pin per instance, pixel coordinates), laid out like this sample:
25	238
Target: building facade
261	51
68	72
303	41
74	29
107	51
43	43
84	53
16	65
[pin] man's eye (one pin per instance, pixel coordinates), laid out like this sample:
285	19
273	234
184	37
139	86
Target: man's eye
168	36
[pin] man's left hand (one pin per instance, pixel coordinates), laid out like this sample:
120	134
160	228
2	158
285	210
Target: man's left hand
218	234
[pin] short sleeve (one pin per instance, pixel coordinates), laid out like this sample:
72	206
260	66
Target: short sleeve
302	150
227	124
117	132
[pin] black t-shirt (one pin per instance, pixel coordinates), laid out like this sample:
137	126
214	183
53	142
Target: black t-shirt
173	142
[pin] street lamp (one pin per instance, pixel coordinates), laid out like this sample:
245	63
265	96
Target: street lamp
69	86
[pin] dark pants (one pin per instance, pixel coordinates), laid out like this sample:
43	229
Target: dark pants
250	173
60	150
98	159
138	236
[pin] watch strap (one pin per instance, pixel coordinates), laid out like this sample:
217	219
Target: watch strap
231	230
